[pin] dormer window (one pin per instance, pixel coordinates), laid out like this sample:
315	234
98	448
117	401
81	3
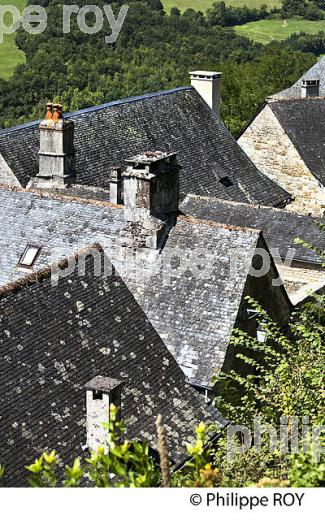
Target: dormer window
29	256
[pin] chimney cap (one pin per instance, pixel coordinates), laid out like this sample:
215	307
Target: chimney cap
103	384
205	74
149	157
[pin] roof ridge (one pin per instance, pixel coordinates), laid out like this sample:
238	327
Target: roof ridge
212	223
61	196
42	274
96	108
271	99
247	204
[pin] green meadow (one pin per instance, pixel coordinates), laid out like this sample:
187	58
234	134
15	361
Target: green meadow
10	56
265	31
203	5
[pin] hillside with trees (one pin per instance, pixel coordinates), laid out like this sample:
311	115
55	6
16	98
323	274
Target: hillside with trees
153	52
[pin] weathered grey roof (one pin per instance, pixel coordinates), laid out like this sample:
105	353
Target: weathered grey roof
54	339
193	307
189	293
59	225
317	71
280	227
172	121
303	120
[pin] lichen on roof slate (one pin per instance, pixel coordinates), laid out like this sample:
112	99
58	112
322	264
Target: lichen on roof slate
53	340
193	310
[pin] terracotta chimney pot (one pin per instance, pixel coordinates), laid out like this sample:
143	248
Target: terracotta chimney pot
49	108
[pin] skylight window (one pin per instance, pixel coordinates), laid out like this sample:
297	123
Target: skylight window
222	177
29	256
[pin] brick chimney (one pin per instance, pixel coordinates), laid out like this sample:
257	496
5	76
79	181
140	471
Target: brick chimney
310	88
101	393
208	86
151	198
56	153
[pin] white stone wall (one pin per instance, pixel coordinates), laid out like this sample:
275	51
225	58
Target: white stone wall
97	414
7	176
300	279
269	147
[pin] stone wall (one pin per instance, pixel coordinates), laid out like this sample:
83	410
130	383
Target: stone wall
297	278
269	147
7	177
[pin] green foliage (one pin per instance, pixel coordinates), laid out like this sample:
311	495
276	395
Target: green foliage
10	55
284	378
130	462
43	470
293	8
246	85
314	43
153	52
197	471
305	472
220	14
287	377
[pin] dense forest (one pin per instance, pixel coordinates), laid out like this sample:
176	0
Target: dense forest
153	52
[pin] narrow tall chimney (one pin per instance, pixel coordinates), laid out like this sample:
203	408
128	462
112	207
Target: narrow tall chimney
208	86
310	88
56	153
115	185
101	393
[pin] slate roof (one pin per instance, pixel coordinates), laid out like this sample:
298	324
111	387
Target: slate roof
57	223
53	340
189	293
303	120
193	307
317	71
280	227
172	121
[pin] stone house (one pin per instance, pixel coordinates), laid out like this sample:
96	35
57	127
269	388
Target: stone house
285	140
300	268
190	276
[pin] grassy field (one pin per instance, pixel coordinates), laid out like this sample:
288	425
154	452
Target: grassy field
10	56
202	5
265	31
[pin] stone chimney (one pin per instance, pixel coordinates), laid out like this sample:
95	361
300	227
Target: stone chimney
101	393
151	198
208	86
115	185
56	153
151	186
310	88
